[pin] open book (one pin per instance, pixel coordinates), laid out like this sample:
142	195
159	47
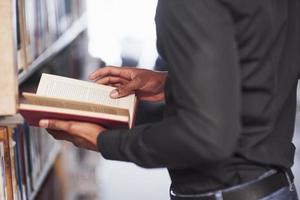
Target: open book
69	99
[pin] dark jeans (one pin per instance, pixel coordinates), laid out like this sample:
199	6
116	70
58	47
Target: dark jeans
285	193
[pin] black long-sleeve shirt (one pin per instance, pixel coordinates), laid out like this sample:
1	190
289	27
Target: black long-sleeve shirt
230	93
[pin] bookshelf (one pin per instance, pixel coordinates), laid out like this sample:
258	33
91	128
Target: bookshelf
49	164
32	32
67	37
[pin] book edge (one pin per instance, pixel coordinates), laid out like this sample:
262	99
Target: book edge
30	107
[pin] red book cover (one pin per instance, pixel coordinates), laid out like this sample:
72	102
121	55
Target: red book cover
34	116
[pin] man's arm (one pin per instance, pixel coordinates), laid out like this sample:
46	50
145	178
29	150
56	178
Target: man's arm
196	39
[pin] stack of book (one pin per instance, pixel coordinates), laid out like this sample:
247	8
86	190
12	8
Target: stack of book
40	23
25	160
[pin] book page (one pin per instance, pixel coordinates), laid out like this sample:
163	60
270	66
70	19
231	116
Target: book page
132	111
83	91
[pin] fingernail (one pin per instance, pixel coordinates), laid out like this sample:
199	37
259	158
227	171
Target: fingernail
114	94
44	123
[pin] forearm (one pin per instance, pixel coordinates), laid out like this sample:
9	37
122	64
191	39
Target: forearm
176	142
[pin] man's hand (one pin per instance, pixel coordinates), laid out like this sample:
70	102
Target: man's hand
83	135
147	84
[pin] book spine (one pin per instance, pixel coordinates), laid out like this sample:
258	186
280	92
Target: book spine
28	158
18	164
7	164
22	31
12	144
20	140
2	171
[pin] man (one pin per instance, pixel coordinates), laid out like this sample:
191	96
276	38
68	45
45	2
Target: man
230	101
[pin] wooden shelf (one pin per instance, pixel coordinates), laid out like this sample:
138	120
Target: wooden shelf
11	120
76	28
8	82
46	169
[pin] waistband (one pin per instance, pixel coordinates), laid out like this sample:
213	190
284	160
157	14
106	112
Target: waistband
264	185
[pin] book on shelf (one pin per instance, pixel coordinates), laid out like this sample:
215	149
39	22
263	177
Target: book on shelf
70	99
26	154
40	24
2	175
7	177
31	32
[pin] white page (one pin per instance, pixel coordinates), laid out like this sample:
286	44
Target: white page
62	87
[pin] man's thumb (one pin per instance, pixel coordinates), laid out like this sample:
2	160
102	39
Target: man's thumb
120	92
125	90
114	94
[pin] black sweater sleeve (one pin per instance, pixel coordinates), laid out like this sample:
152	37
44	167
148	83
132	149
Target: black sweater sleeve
196	39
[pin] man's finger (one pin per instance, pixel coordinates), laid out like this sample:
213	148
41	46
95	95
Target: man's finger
125	90
55	124
60	135
110	71
112	80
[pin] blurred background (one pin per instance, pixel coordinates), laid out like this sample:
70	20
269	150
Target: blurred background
119	33
128	38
